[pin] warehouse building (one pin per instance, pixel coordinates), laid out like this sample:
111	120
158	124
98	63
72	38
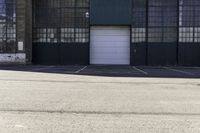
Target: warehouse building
96	32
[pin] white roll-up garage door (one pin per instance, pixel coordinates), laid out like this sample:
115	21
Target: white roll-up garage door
110	45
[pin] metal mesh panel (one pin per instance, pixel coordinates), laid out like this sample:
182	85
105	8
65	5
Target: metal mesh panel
189	21
139	21
7	26
162	21
155	21
61	21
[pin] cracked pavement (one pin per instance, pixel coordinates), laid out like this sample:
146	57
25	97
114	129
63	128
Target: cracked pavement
34	102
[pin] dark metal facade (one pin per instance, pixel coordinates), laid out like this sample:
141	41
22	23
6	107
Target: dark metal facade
7	26
189	21
61	21
110	12
60	31
164	32
189	32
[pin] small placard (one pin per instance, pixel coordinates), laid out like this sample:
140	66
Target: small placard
20	46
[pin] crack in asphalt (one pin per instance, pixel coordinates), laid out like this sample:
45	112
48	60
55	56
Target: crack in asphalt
101	113
135	83
98	112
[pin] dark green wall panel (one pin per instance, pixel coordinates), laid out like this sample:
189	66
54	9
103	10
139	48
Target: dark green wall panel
45	54
110	12
74	54
162	54
60	54
138	54
189	54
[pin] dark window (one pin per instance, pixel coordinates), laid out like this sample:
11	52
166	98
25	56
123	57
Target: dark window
7	26
157	17
162	21
189	21
139	21
61	21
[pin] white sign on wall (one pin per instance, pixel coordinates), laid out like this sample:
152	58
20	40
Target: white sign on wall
20	46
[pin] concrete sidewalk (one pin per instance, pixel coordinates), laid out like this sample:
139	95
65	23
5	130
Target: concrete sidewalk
33	102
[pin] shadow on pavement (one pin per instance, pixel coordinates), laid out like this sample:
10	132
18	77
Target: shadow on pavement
111	71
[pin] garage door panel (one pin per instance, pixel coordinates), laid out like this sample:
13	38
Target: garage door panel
106	61
123	59
103	45
110	45
107	55
107	50
110	33
104	39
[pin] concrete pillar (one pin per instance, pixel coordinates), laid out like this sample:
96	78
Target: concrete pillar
24	28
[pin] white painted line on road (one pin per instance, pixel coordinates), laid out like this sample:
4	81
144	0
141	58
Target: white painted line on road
43	68
180	71
80	70
142	71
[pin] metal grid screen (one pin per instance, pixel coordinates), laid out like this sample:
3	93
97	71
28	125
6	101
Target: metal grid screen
139	21
61	21
166	21
189	21
7	26
155	21
162	20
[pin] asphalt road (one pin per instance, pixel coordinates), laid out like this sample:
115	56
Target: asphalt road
38	102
